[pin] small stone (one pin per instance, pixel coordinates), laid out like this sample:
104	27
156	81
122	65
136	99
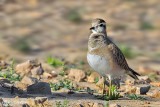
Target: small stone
4	81
47	75
87	104
25	105
154	93
93	76
17	97
25	68
130	81
144	79
79	105
100	82
31	102
39	88
1	102
130	89
29	80
157	84
97	105
77	74
142	89
3	64
114	105
20	85
54	73
37	70
41	99
90	104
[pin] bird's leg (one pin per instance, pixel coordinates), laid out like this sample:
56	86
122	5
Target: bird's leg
110	87
104	82
110	83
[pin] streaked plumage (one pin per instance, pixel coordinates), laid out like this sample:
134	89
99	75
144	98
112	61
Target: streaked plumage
104	56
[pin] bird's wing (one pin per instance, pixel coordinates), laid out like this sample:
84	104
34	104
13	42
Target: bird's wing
117	56
119	59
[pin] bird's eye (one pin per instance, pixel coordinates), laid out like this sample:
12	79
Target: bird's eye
101	25
95	37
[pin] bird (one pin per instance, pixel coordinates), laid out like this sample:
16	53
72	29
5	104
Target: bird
104	56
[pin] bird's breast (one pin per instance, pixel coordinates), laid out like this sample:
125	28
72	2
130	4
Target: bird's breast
99	63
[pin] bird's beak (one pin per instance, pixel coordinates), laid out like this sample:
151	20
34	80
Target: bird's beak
91	28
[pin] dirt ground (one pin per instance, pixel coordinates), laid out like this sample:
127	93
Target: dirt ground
37	29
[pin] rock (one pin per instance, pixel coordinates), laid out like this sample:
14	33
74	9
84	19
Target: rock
1	102
54	73
77	74
144	79
29	80
130	81
79	105
25	68
130	89
38	102
3	64
154	93
39	88
4	81
97	105
157	84
114	105
25	105
93	76
37	70
88	104
142	89
41	99
100	82
20	85
46	75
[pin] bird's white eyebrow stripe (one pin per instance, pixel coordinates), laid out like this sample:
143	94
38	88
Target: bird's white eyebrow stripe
103	23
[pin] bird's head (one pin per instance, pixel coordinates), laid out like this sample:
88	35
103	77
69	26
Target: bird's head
98	26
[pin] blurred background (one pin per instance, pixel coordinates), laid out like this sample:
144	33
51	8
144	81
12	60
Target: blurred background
60	28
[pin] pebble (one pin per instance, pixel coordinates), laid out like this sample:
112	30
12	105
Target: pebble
77	74
114	105
142	89
154	93
42	88
29	80
93	76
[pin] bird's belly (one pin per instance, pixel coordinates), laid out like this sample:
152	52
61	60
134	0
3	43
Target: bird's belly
99	64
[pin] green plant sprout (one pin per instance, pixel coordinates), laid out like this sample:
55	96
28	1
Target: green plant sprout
62	84
11	74
135	97
55	62
111	95
63	71
59	103
152	76
96	80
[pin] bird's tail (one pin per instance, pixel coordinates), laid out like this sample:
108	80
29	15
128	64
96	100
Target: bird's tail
133	74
